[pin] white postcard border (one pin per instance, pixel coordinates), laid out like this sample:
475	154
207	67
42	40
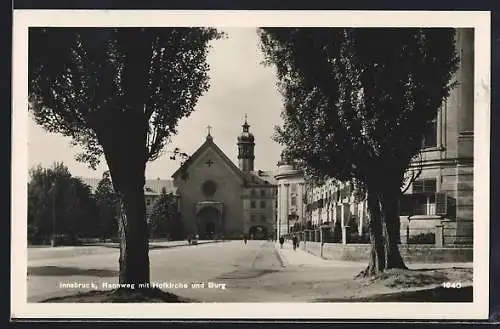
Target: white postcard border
23	19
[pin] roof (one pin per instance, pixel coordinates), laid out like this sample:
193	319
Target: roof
209	143
259	177
267	175
151	187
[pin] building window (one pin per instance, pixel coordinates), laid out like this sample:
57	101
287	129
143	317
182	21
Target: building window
262	218
253	192
294	201
430	134
148	202
294	187
252	204
252	218
424	186
262	204
262	192
423	200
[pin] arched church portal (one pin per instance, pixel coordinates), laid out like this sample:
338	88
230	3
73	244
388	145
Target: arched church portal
208	220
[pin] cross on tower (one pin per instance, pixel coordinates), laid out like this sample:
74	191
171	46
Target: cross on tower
208	128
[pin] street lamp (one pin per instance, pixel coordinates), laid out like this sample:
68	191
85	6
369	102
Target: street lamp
53	194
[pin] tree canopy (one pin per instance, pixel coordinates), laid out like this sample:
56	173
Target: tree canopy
91	81
357	102
119	92
59	203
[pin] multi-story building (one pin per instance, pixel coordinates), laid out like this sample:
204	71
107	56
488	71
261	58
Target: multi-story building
290	200
441	198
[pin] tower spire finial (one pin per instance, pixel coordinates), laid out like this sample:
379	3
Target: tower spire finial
245	118
209	128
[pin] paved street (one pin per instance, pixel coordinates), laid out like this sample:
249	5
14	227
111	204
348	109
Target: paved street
226	272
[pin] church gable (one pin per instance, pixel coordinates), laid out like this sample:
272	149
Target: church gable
208	159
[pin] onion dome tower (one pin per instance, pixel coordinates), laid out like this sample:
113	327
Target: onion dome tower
246	146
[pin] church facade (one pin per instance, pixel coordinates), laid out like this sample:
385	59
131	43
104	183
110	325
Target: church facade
219	199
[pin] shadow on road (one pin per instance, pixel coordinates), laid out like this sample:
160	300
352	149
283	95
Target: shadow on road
438	294
153	246
69	271
247	273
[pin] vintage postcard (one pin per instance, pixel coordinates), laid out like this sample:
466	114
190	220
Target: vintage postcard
291	165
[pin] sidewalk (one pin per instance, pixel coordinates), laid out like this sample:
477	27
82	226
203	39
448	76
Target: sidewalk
301	258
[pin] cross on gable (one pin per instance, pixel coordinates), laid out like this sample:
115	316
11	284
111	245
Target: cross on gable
209	162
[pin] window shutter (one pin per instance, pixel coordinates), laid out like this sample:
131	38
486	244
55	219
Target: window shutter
418	186
430	185
441	203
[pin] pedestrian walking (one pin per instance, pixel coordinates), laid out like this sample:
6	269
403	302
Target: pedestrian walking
282	240
294	242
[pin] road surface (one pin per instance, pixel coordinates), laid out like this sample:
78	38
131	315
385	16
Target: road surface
216	272
213	272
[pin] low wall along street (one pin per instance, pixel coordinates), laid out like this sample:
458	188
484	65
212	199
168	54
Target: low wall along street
410	253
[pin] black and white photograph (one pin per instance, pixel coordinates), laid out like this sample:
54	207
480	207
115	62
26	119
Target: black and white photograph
286	164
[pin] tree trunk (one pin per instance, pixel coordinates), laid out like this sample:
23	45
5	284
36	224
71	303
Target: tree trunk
392	225
134	244
377	261
127	168
384	228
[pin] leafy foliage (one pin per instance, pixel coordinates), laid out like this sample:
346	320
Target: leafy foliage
107	203
165	219
59	204
90	80
357	101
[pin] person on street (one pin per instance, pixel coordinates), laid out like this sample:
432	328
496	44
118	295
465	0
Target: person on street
294	242
282	240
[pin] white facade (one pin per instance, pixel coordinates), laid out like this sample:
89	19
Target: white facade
290	200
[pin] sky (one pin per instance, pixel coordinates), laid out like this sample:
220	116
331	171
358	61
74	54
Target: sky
240	85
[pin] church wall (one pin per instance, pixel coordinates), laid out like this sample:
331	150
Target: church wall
229	186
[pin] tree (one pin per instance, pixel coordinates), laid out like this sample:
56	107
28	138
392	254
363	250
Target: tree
119	93
357	102
107	204
58	204
165	219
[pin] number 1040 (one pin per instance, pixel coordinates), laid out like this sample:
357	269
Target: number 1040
455	285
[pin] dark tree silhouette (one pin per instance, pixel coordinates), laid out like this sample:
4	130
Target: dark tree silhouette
357	102
165	219
107	204
59	204
119	93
